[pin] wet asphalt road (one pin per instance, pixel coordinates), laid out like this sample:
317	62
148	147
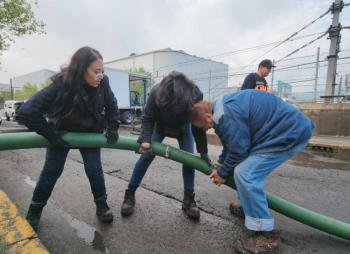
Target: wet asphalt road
69	225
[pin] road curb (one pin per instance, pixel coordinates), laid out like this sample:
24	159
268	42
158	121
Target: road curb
328	145
314	143
16	235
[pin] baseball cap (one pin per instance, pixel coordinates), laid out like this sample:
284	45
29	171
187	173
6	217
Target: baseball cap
266	63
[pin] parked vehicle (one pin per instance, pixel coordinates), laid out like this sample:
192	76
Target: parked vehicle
9	109
129	102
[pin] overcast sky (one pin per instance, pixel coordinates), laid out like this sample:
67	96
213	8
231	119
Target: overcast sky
201	27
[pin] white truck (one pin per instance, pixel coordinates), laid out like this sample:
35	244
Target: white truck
129	101
10	109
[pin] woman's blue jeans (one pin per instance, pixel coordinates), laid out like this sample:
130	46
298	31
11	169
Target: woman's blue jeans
186	142
250	176
53	168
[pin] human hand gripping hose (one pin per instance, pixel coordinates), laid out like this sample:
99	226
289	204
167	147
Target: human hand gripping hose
24	140
111	134
55	139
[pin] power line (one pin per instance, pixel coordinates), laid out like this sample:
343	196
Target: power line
194	61
277	70
307	68
202	59
239	67
192	75
305	45
298	81
297	69
308	63
297	65
291	36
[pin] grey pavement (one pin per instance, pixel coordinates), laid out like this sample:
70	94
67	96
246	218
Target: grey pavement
314	180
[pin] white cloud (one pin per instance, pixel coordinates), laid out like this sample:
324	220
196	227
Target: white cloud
202	27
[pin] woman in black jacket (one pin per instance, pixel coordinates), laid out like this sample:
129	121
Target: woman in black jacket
78	99
167	115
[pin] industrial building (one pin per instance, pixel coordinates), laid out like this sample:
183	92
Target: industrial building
210	76
34	78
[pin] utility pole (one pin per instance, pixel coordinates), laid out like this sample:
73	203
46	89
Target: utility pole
316	73
334	35
272	75
11	88
209	85
339	86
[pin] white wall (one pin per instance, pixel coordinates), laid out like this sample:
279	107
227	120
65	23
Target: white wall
160	63
207	74
145	61
119	82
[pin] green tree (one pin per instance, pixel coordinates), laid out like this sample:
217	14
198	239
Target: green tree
4	95
138	85
26	92
17	19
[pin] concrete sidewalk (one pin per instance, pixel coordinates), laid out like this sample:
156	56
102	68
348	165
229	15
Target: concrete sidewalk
327	143
16	235
334	143
340	143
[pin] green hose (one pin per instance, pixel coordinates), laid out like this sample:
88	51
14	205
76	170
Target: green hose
23	140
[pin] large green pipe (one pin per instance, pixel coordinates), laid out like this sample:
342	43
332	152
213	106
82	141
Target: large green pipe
22	140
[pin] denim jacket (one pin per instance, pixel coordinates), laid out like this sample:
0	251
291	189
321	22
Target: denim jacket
252	121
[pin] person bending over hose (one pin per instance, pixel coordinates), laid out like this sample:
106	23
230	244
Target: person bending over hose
167	115
259	132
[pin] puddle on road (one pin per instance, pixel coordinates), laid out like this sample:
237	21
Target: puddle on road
321	160
84	231
87	233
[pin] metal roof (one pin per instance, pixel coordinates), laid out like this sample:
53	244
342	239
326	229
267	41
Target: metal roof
133	55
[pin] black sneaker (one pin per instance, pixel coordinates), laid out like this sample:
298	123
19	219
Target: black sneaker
33	215
190	207
104	214
128	203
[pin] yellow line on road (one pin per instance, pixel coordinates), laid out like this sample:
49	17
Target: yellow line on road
16	235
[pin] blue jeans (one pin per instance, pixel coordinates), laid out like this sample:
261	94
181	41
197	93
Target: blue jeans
53	168
250	176
186	142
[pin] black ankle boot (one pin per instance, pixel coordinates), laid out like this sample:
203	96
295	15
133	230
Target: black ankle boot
104	214
190	207
128	203
33	215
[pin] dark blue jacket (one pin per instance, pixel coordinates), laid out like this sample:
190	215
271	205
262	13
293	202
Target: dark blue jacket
99	109
162	120
253	121
254	81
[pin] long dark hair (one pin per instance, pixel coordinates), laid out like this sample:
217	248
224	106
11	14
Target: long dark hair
175	93
69	98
